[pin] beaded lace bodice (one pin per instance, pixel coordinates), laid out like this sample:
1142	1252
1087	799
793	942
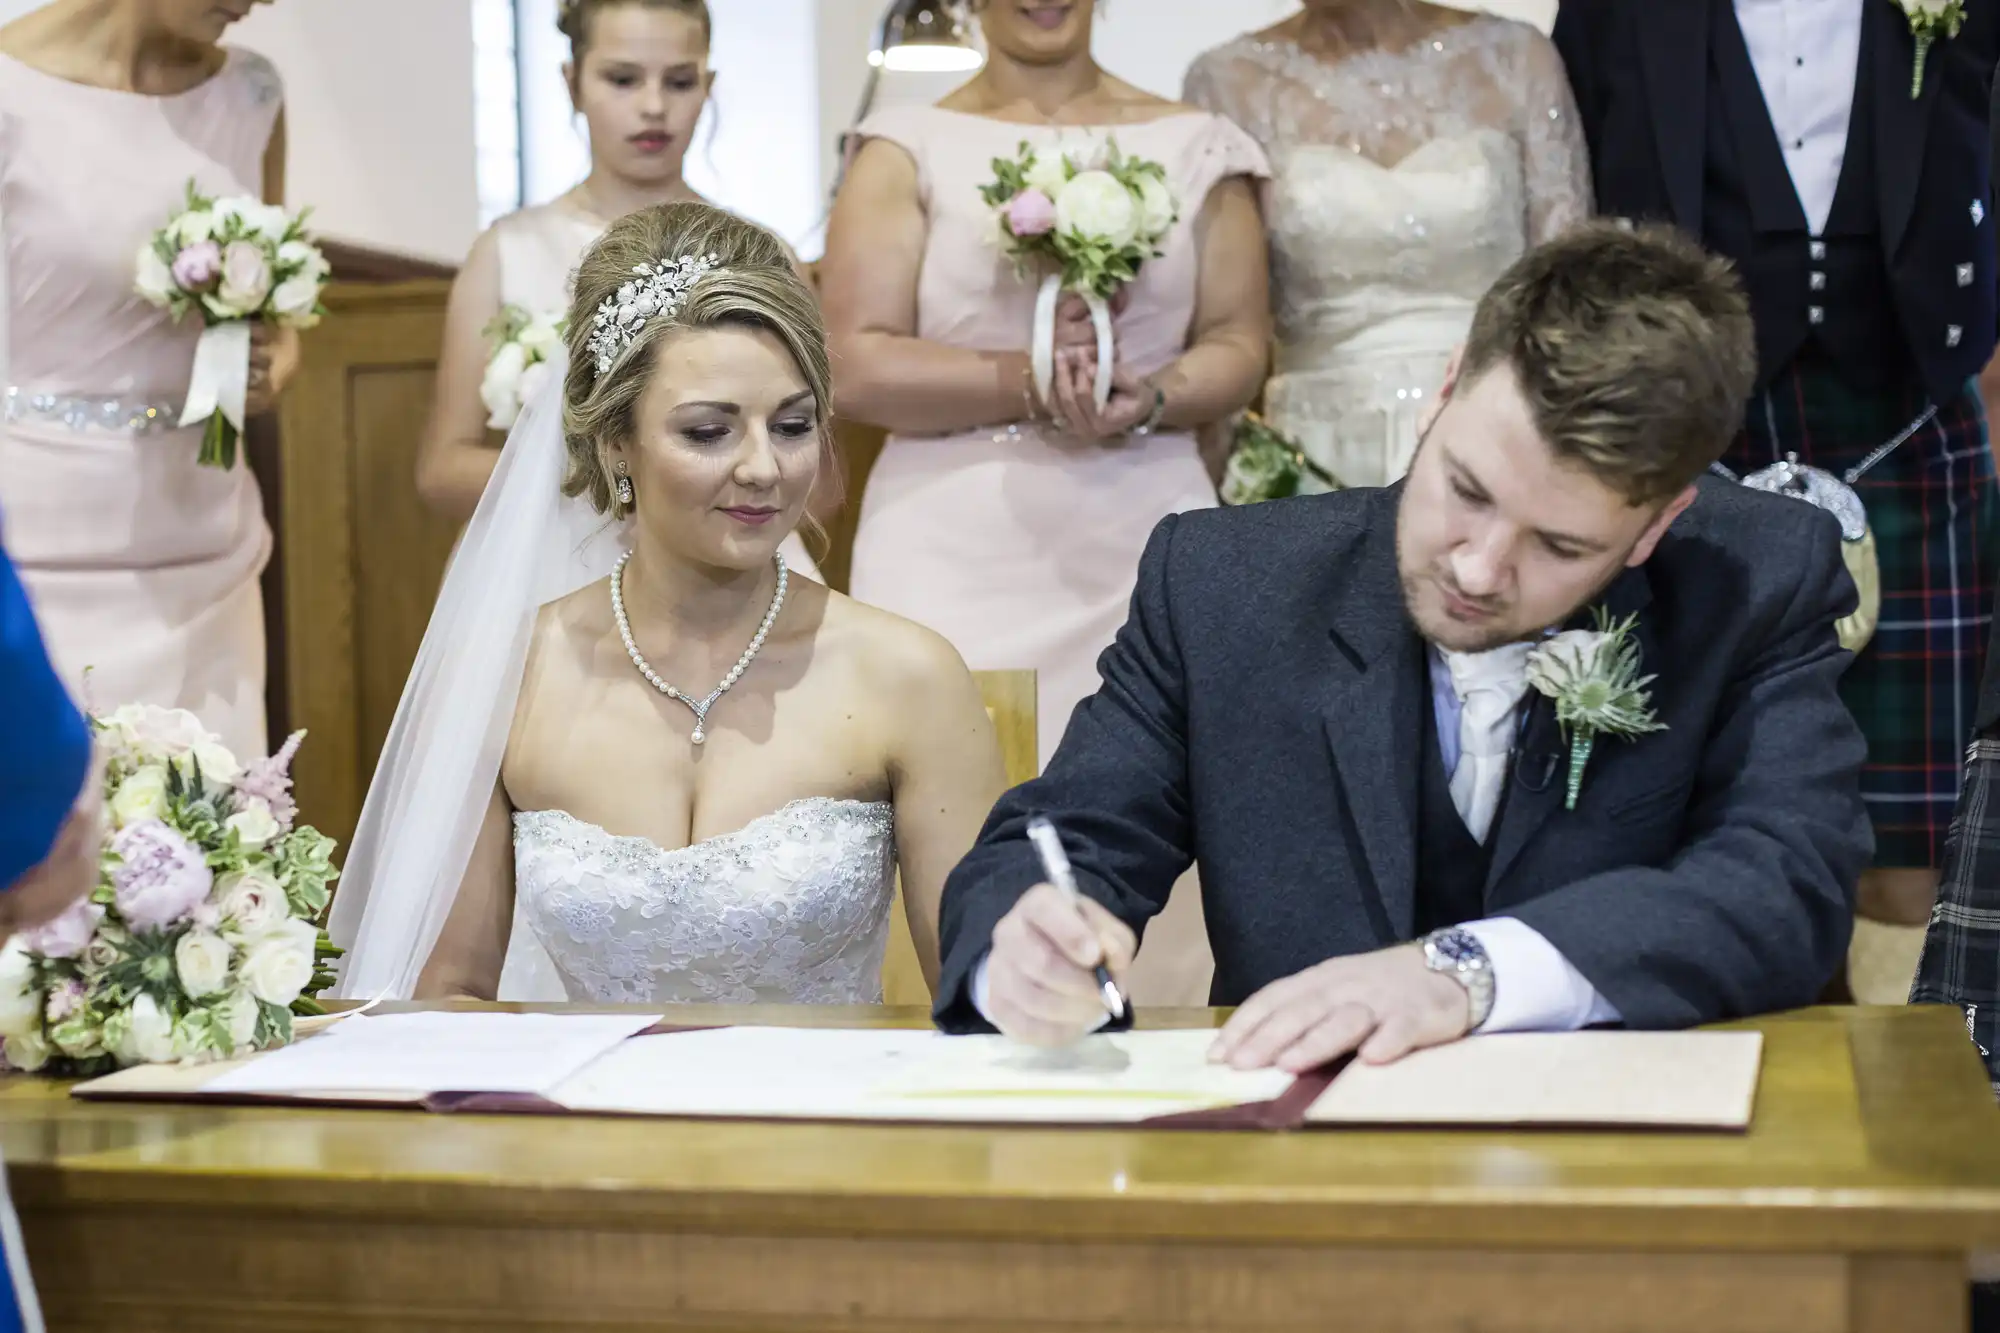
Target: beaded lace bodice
793	908
1404	182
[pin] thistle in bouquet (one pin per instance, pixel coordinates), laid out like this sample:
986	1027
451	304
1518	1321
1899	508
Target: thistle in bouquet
234	262
1264	464
1086	217
203	937
524	344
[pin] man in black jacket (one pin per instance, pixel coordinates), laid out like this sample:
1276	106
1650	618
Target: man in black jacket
1345	707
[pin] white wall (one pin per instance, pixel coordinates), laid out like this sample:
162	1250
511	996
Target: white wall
378	100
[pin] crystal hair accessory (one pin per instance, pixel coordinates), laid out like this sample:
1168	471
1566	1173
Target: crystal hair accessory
657	290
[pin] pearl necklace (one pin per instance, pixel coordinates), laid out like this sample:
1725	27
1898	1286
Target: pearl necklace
699	707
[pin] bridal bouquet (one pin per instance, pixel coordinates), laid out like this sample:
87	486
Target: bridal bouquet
232	261
1093	216
1264	465
200	941
522	345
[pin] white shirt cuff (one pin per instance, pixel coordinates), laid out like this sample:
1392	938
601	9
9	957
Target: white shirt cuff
1535	988
979	992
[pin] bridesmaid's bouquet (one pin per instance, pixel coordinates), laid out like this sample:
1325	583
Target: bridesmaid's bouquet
1265	465
201	940
1087	216
523	345
232	261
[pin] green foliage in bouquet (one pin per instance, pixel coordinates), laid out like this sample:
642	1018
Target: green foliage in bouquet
1265	465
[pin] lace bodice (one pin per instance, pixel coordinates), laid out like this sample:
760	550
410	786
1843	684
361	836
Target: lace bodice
793	908
1403	183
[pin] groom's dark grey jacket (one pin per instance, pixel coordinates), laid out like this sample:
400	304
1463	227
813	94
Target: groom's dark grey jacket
1261	713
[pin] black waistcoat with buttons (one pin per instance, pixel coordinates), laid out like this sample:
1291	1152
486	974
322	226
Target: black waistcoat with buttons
1451	863
1831	292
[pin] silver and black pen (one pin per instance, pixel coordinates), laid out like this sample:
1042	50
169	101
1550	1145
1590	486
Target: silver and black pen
1055	864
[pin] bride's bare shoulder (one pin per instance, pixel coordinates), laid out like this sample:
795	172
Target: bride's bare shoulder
896	658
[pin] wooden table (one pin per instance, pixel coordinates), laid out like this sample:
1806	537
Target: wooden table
1872	1170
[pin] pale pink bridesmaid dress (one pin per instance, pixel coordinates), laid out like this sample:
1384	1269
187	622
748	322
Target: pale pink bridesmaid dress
1019	546
142	565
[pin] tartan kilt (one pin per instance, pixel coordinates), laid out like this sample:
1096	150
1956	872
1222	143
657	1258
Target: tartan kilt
1935	513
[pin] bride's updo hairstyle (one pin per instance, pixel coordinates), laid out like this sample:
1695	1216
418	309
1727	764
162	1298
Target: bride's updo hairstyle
752	284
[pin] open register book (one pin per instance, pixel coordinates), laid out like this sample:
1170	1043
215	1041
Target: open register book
560	1064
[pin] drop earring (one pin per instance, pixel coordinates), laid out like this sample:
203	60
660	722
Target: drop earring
624	485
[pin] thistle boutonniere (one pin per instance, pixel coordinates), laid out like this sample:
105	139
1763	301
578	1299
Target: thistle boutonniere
1930	19
1593	676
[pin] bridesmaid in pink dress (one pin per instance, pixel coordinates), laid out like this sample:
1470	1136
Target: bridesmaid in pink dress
1011	526
142	565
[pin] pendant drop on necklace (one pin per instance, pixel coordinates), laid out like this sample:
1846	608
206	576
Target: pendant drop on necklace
699	707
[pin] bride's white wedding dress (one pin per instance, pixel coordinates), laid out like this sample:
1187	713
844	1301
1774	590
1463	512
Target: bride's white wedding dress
1403	183
793	908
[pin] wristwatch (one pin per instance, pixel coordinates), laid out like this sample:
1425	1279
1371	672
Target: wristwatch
1152	421
1459	954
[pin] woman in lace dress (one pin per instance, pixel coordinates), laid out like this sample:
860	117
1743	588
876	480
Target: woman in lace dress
1013	526
1415	151
143	565
743	849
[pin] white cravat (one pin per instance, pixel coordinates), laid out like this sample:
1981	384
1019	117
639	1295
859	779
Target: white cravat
1489	686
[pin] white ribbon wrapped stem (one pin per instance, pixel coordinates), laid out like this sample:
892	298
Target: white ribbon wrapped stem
221	379
1042	351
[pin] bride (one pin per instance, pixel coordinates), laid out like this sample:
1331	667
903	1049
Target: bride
698	771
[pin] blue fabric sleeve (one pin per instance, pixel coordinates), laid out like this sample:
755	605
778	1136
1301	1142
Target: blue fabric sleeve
44	740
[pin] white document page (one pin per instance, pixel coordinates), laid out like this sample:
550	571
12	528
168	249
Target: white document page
1645	1080
827	1074
437	1052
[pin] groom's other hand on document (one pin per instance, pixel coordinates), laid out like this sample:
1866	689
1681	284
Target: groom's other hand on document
1040	977
1383	1005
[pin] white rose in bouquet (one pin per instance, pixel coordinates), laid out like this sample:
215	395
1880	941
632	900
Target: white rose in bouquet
254	825
146	1036
26	1051
246	280
296	301
202	959
20	1003
541	339
500	390
1098	207
303	257
239	1014
193	227
156	280
1157	209
280	965
218	765
269	221
146	729
140	797
252	904
1048	172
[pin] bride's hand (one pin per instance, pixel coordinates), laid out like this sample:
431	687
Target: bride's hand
1075	404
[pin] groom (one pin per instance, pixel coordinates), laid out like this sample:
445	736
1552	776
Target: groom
1325	700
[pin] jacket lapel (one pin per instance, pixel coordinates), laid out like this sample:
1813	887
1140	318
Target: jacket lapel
1902	122
1673	55
1539	782
1375	687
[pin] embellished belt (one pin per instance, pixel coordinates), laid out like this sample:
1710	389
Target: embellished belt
141	416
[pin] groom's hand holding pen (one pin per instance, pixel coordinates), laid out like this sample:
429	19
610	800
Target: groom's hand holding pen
1045	978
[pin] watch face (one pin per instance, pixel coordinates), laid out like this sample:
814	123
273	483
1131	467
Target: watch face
1457	946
